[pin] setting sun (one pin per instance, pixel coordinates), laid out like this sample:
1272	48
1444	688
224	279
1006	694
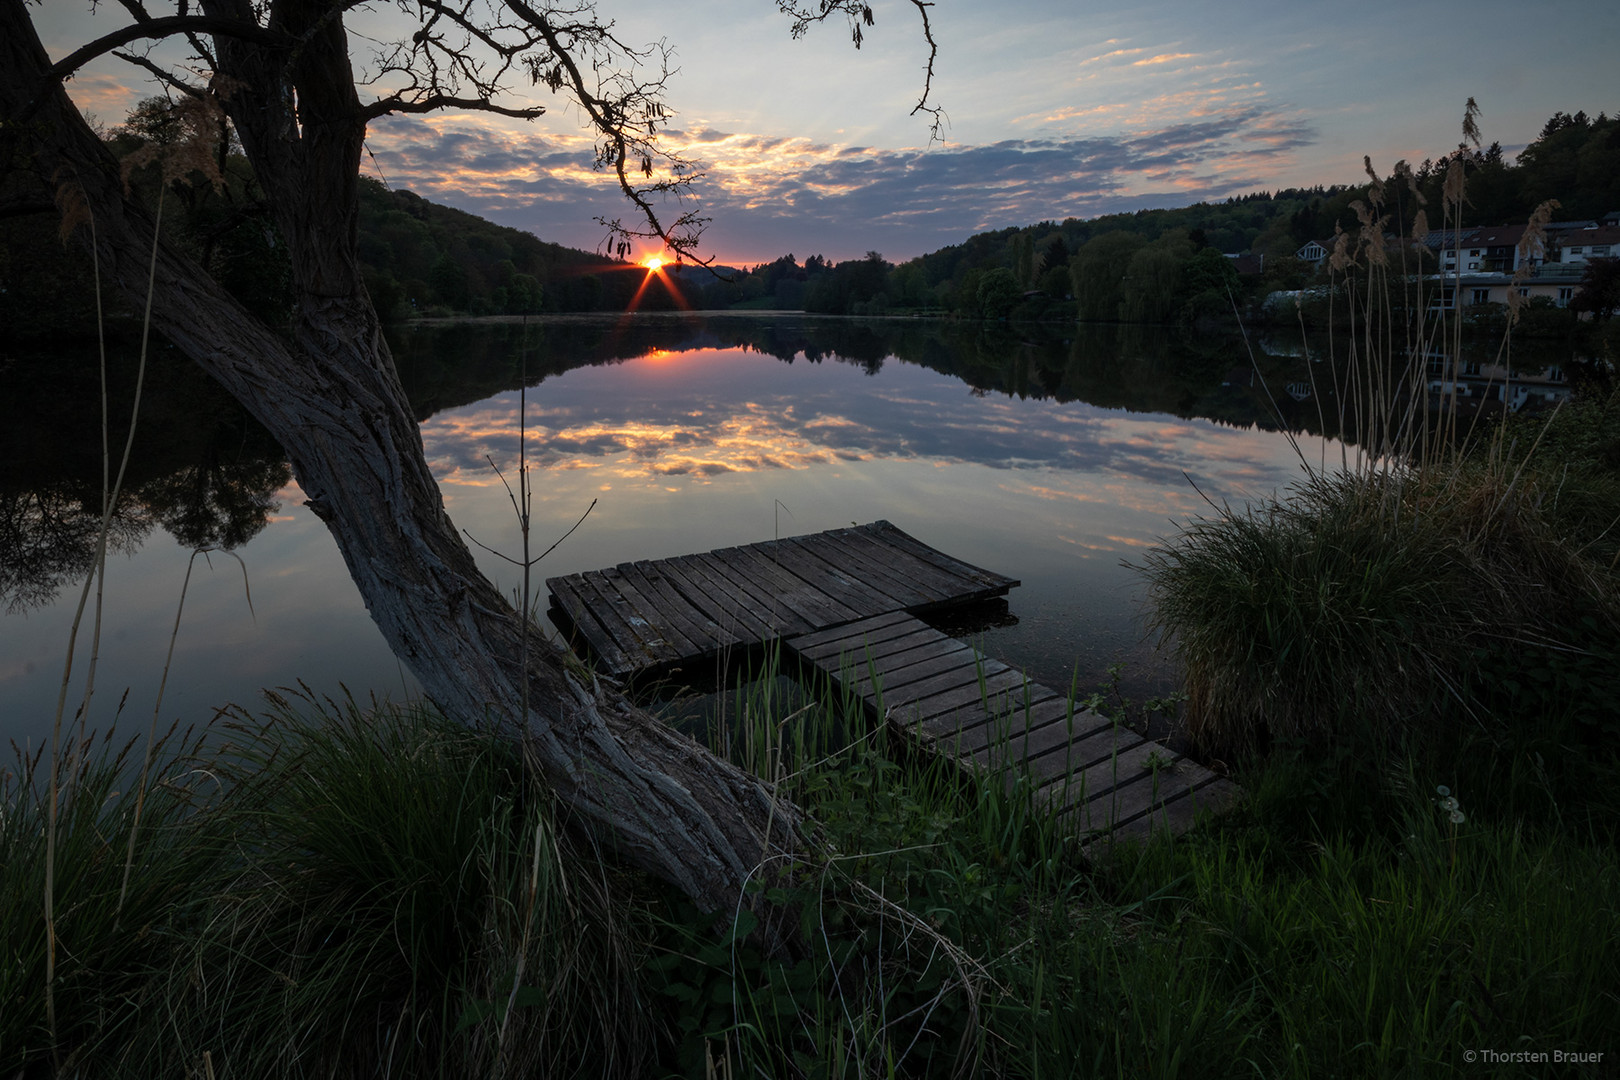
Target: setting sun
654	262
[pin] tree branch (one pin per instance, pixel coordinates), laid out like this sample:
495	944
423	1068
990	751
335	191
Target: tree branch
162	74
433	102
167	26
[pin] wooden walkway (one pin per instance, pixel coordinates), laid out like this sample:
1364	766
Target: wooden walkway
947	697
842	604
643	616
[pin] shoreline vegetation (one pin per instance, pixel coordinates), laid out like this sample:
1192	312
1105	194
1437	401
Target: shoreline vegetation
1408	662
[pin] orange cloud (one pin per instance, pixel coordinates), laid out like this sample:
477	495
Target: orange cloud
1164	58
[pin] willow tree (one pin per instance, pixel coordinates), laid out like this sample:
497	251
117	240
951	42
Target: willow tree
327	389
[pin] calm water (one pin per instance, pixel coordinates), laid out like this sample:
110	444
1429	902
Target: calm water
1052	460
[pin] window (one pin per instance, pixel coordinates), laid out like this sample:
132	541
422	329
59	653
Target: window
1473	251
1471	367
1576	250
1600	249
1524	291
1482	296
1565	295
1473	266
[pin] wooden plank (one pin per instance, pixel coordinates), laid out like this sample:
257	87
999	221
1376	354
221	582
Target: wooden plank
837	586
938	583
970	732
682	626
637	615
695	622
1026	735
715	597
976	577
849	631
767	609
899	671
1157	787
645	616
1175	816
640	645
810	605
940	695
855	554
1087	799
872	648
565	593
868	646
845	558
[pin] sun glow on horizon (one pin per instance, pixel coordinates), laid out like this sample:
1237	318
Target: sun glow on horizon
655	263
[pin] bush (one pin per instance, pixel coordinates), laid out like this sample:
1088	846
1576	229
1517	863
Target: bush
1358	606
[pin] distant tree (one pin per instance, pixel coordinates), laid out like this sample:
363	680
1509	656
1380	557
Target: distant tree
1152	280
1600	289
1022	258
998	293
1056	256
1096	272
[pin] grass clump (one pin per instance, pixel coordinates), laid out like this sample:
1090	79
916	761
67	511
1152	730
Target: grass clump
341	892
1360	605
329	891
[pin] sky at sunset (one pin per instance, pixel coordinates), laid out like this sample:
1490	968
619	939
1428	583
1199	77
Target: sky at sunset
1055	110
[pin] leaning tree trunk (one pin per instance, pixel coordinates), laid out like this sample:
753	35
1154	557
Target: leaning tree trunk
333	399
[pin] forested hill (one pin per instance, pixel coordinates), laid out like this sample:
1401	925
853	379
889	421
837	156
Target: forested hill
1575	160
1166	265
424	258
418	257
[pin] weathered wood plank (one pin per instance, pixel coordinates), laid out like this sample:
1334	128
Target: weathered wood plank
654	620
1214	796
853	631
836	585
898	672
944	693
684	628
715	597
565	593
707	635
933	581
814	606
1087	799
841	558
767	609
980	578
642	644
867	646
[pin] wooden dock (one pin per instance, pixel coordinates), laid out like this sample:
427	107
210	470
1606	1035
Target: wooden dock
1105	779
843	605
649	615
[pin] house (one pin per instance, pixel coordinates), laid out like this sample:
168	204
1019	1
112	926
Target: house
1478	384
1312	253
1593	241
1248	264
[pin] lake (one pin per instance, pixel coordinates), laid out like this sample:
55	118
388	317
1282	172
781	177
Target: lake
1054	455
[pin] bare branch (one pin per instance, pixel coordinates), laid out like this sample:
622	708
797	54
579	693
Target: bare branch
627	114
432	103
161	73
152	29
934	129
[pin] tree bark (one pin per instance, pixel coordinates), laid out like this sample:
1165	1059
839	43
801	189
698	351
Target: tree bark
333	399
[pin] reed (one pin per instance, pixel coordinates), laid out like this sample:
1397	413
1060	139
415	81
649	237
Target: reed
1371	602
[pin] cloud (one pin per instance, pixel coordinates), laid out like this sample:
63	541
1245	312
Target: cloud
780	194
1163	58
651	422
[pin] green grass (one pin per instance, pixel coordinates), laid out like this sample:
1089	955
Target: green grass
341	891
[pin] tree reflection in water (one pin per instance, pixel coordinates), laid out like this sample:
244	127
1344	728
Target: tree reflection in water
201	469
